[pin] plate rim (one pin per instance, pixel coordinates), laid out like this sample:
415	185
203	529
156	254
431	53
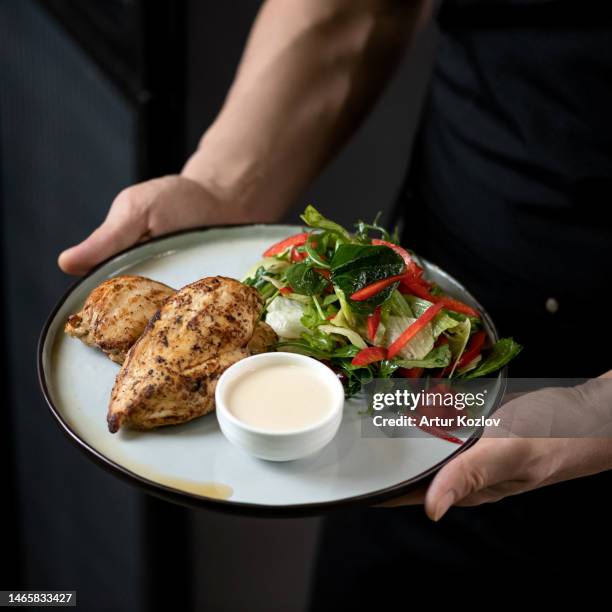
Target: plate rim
228	506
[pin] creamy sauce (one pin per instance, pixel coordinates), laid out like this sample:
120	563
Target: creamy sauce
280	397
214	490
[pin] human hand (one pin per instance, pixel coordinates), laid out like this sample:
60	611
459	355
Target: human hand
530	448
148	209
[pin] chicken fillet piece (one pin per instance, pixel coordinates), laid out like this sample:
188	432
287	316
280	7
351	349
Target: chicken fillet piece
170	374
116	313
262	340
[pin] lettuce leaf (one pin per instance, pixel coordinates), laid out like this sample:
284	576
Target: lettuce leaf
458	337
285	317
439	357
345	310
399	306
441	322
353	336
418	347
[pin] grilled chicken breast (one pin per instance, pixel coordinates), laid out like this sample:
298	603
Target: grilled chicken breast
170	374
116	313
262	339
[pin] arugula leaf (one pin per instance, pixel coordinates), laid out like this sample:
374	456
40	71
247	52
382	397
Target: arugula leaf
270	265
256	280
357	376
438	357
387	368
302	278
349	350
314	255
362	229
311	344
314	218
503	351
355	266
354	377
301	347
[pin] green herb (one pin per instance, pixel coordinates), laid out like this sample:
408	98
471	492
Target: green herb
314	218
387	368
330	299
315	256
355	266
302	278
503	351
319	318
311	318
438	357
363	229
256	280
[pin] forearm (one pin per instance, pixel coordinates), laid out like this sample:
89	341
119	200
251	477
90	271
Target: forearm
310	71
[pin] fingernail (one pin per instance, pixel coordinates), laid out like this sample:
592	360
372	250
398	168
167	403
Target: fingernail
448	499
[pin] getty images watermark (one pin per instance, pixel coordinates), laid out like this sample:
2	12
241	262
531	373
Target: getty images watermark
496	407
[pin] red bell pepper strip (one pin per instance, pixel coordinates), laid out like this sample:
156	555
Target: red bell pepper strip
439	433
292	241
410	372
473	350
324	272
415	287
412	268
442	340
374	288
413	329
457	306
297	256
369	355
286	290
373	323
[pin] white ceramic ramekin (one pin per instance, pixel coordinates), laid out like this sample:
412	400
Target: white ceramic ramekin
275	445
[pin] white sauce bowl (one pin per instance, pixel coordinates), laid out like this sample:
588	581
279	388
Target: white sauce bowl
278	445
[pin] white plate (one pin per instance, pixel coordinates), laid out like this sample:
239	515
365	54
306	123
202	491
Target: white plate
193	463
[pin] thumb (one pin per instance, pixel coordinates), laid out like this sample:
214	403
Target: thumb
472	471
121	229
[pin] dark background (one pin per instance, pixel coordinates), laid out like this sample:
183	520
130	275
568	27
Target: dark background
94	96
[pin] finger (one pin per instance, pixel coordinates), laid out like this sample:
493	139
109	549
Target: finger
481	466
121	229
511	396
413	498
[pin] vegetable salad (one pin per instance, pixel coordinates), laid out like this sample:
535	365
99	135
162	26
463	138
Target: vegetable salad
362	304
